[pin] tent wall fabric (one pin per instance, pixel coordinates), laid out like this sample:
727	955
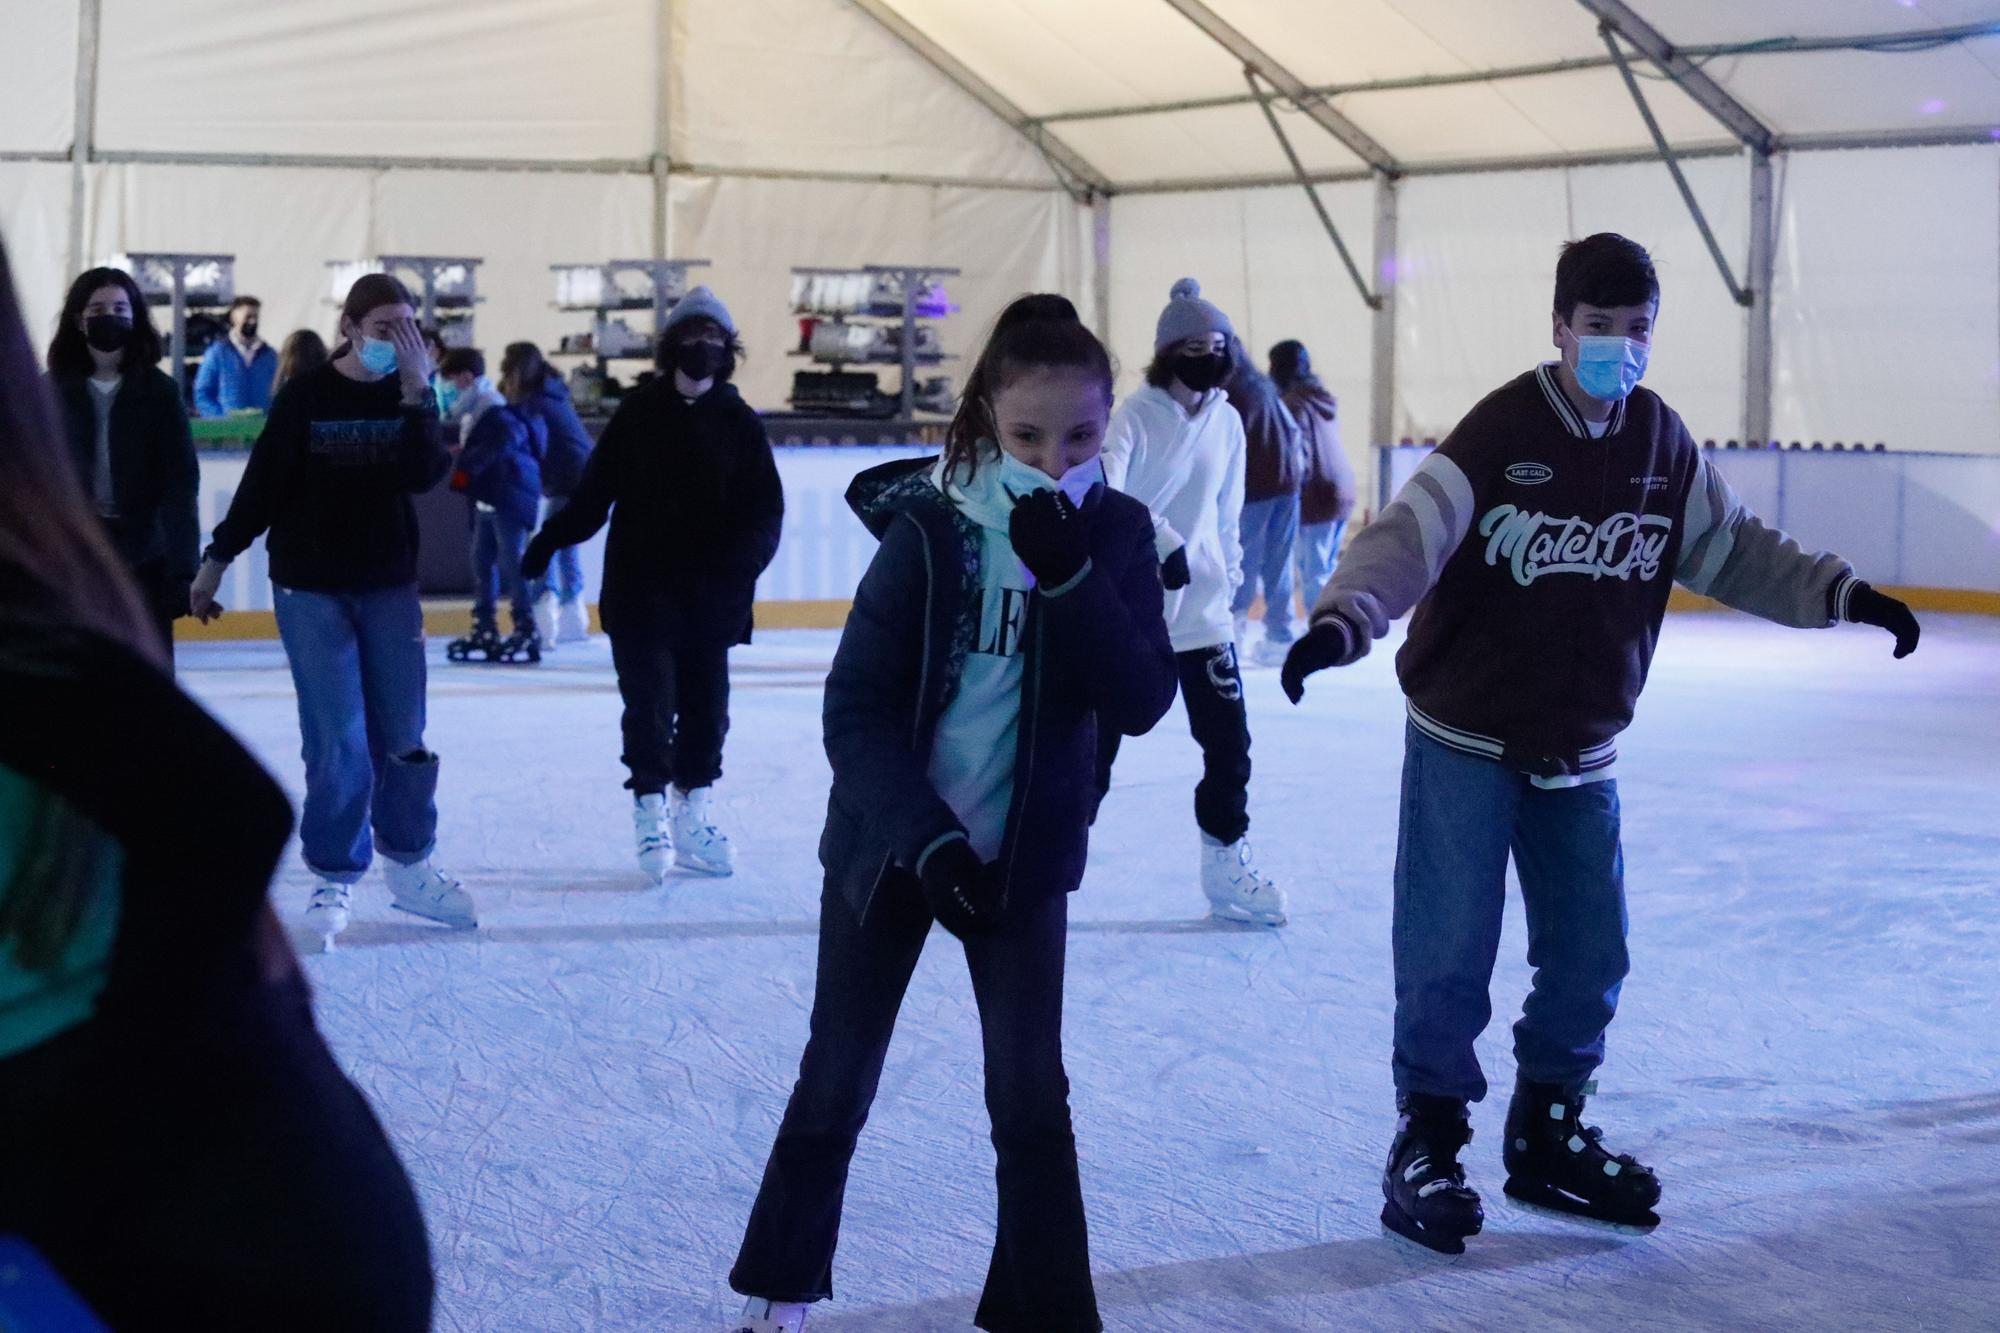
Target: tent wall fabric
37	77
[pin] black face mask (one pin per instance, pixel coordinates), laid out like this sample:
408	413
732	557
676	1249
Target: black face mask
249	330
107	333
1202	373
700	360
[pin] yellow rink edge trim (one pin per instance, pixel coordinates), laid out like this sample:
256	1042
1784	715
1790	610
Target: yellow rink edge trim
449	618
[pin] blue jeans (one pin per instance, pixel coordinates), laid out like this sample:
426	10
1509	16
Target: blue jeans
358	668
1269	528
565	576
1461	817
1318	553
497	544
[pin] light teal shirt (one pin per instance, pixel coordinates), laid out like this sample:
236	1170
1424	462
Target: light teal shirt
35	1006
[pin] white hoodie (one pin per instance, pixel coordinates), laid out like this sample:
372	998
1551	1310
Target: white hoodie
1189	471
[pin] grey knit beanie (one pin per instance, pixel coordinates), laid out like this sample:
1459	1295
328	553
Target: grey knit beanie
699	303
1188	316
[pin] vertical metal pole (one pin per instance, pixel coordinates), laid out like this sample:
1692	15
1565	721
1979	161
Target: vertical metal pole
663	100
1100	276
1757	370
910	278
178	359
83	132
1382	405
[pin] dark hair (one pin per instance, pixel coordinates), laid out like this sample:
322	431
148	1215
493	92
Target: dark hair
303	351
1160	370
1604	270
58	572
372	291
663	353
462	361
1040	331
242	302
1289	362
69	354
522	371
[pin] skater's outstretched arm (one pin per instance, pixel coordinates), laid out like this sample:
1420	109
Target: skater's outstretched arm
590	505
872	701
1729	554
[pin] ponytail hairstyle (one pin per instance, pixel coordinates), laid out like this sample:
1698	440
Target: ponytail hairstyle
1041	331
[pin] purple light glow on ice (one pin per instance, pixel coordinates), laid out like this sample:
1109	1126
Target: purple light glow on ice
1932	107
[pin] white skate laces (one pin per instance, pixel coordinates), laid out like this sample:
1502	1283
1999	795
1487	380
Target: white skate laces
699	845
1234	888
649	833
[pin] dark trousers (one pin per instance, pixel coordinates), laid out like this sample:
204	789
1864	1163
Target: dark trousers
1039	1277
676	711
1212	692
1462	816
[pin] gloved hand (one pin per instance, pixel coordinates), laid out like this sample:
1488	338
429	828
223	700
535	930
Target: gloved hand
964	894
535	559
1865	606
1174	572
1330	642
1050	535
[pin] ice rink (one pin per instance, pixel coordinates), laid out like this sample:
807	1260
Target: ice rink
1808	1050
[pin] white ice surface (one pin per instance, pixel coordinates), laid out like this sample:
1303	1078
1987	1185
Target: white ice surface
1808	1050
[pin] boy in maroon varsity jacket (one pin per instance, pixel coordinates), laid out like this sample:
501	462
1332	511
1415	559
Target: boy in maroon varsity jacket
1537	546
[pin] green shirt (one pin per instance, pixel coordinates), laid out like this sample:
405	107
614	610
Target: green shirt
35	1006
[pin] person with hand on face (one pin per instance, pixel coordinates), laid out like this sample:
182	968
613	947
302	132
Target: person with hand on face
237	372
1178	447
1012	611
330	478
684	474
1537	546
128	436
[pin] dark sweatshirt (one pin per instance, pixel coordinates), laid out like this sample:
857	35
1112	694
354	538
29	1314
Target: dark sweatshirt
1539	559
331	479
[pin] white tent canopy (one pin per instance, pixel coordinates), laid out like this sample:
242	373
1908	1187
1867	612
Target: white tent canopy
1098	147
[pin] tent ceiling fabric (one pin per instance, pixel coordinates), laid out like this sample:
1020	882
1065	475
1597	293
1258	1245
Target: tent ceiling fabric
1052	57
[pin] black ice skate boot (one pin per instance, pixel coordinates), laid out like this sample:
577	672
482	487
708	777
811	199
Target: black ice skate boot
483	644
1425	1195
522	648
1557	1162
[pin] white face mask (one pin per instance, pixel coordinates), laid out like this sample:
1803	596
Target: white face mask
1020	479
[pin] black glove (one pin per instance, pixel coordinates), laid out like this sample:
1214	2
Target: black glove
963	892
1174	570
1050	536
1326	644
1865	606
535	560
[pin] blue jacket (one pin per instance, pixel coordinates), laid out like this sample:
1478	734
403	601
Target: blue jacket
501	464
569	443
1096	655
226	383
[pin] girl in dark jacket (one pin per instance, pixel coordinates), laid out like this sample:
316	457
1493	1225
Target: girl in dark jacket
559	613
688	469
1013	608
175	1139
128	436
500	471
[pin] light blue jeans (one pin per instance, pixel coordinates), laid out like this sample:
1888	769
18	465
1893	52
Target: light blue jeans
358	669
1318	553
1269	527
565	576
1462	815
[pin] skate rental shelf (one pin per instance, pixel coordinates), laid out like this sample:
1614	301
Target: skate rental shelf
597	290
195	287
446	288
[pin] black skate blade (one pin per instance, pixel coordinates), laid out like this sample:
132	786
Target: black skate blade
1542	1197
1400	1224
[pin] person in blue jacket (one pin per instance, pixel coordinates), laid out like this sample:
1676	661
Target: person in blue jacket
1014	608
237	371
558	598
500	470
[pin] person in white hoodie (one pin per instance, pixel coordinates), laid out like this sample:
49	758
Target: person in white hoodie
1177	446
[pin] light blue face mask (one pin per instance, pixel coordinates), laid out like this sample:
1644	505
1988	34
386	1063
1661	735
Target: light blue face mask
377	355
1608	368
448	394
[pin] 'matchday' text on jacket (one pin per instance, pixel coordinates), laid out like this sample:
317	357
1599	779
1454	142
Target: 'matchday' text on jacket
1539	560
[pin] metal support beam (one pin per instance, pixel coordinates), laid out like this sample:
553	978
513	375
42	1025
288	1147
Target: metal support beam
83	135
1382	349
1294	88
1100	271
1757	372
1368	298
1076	173
1736	290
1617	16
663	107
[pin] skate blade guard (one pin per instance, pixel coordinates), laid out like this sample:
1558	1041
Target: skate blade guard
1401	1224
1542	1197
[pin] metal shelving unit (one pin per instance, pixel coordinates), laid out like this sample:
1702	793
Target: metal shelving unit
606	291
190	284
902	301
